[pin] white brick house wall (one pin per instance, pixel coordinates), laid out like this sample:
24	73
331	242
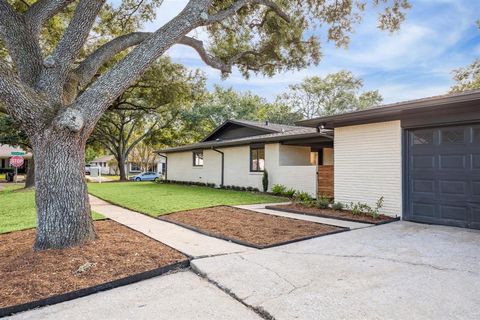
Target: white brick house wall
300	177
368	165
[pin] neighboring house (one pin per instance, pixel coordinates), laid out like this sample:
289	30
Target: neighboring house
6	154
422	156
105	163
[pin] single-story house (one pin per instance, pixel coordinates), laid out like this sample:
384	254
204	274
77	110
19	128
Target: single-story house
105	164
6	152
422	156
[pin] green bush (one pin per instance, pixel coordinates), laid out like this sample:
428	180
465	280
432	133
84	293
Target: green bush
323	203
338	206
265	181
289	193
279	189
302	197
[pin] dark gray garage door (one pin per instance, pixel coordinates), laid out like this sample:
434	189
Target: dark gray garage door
443	184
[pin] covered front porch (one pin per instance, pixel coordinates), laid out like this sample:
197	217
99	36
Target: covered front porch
321	157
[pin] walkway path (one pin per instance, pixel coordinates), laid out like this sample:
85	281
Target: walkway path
186	241
181	295
333	222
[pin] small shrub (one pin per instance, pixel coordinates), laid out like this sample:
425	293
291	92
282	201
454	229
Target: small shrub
375	213
279	189
337	206
323	203
302	197
256	190
289	193
250	189
265	181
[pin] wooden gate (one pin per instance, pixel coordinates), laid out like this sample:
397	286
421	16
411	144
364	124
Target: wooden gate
325	181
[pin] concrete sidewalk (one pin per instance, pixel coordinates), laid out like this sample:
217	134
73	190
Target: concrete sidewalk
181	295
334	222
186	241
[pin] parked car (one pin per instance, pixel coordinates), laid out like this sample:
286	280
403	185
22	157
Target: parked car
87	169
146	176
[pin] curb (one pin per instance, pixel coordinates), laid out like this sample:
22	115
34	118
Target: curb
330	217
7	311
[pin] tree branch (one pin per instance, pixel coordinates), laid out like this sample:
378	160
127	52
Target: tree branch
21	44
42	11
89	67
20	101
98	96
57	65
237	5
208	59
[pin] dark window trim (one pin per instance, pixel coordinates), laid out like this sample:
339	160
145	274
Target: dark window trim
256	147
195	152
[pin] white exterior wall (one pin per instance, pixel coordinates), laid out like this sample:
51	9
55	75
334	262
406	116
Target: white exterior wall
180	167
237	168
368	165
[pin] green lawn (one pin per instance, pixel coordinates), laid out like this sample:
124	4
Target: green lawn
17	210
158	199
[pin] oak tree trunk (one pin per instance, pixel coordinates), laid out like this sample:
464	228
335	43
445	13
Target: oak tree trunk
63	209
30	179
122	168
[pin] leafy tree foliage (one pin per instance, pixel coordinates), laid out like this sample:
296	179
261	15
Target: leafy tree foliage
146	109
467	78
336	93
224	104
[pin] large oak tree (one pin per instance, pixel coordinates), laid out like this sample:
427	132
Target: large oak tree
57	97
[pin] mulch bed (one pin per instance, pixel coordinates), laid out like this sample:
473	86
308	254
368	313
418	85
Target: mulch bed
330	213
119	253
247	227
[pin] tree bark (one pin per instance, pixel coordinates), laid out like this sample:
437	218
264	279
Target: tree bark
63	208
30	180
121	168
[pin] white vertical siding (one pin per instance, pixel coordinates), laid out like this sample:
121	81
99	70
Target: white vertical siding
368	165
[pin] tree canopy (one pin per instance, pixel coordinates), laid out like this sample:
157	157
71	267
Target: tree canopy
335	93
467	78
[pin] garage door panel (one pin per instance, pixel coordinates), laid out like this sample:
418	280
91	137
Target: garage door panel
444	176
452	212
453	188
420	209
423	162
452	161
475	162
423	186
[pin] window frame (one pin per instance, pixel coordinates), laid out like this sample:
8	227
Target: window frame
194	162
256	148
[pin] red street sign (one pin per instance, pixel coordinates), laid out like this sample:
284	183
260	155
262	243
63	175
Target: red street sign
16	161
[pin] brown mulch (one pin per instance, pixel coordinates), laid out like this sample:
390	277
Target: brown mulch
27	276
330	213
247	226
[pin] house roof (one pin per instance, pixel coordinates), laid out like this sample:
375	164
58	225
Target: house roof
396	111
103	158
291	134
265	126
6	151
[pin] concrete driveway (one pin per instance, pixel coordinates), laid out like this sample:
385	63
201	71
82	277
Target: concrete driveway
396	271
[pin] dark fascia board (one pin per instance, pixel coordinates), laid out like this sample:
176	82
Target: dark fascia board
220	127
233	143
393	111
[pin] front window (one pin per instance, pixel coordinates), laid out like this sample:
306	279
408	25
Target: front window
134	166
198	158
257	159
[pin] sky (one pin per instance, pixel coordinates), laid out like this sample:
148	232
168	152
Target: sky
437	37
